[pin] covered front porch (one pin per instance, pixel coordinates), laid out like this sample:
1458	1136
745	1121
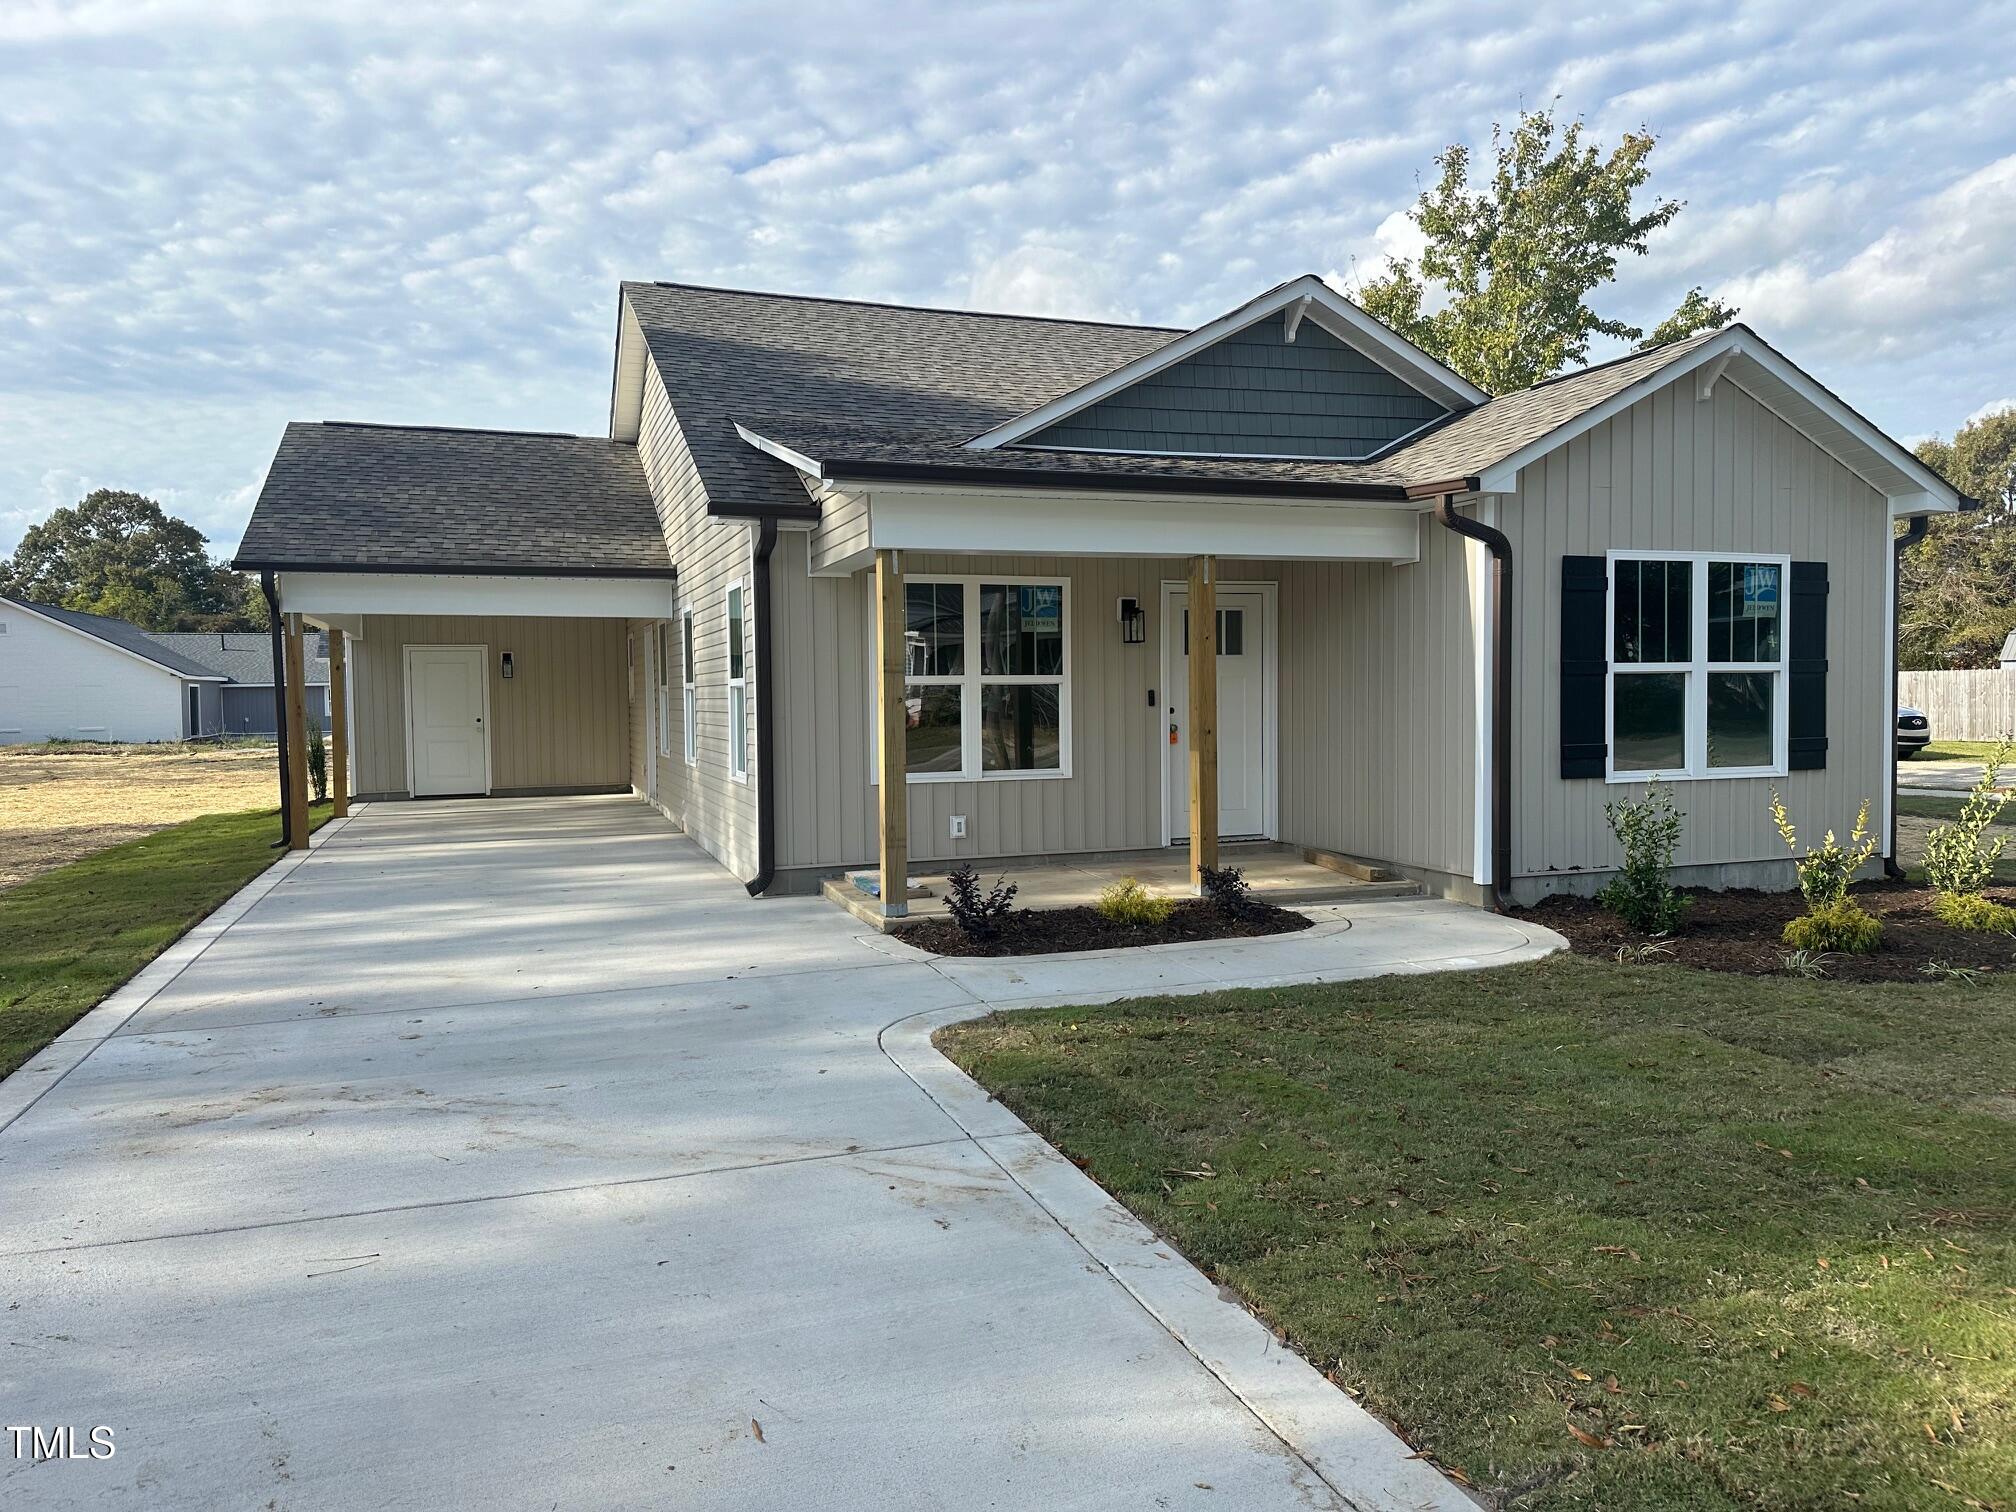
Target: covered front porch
1312	686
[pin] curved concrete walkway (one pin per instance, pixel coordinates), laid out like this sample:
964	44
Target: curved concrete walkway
505	1153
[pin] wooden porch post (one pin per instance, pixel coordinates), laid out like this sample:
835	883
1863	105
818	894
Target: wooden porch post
339	727
296	736
892	734
1203	717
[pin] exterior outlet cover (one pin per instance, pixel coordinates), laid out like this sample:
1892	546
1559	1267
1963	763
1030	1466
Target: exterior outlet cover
958	826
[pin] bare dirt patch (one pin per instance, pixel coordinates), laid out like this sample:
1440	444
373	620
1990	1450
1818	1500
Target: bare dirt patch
57	804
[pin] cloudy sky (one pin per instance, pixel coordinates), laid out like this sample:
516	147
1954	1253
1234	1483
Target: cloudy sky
217	215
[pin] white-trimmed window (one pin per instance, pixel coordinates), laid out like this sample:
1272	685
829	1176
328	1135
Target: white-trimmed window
688	705
660	642
1697	664
987	684
738	690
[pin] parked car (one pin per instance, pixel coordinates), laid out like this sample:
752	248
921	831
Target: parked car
1914	732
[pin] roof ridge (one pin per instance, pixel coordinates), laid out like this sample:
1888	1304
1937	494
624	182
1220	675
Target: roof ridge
456	430
890	304
1610	362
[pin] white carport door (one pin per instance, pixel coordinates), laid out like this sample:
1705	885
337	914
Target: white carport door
447	727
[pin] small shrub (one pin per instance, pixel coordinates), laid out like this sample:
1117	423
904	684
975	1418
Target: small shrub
1642	894
1826	870
1956	859
979	915
1841	927
1969	910
1226	890
1646	953
1128	902
1810	964
318	762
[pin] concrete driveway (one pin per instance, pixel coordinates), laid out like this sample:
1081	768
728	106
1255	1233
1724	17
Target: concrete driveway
505	1154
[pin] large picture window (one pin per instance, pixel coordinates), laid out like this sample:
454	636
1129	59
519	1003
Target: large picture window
1697	665
986	679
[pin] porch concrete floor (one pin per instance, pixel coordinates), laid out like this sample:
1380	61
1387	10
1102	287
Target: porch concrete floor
1275	872
506	1153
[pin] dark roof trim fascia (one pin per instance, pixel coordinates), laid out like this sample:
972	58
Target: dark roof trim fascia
729	509
477	569
843	472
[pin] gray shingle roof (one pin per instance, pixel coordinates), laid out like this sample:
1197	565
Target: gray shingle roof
889	371
393	496
887	390
1471	441
118	632
242	656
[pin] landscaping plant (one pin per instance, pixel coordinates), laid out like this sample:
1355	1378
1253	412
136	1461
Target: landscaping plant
1642	893
1968	910
979	915
1832	920
1959	863
318	762
1128	902
1226	889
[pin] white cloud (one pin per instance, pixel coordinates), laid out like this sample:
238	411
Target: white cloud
219	214
1992	407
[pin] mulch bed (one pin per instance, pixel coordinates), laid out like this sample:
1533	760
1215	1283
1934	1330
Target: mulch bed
1739	931
1049	931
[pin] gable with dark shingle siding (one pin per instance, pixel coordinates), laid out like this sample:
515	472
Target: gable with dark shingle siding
1253	392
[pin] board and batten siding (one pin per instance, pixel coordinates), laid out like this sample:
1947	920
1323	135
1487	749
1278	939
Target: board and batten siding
1715	475
561	722
714	808
1352	692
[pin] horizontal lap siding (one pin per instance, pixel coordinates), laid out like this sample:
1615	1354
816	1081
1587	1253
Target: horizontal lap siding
561	721
710	553
842	529
1679	473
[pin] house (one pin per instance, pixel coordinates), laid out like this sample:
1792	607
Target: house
246	660
853	585
67	675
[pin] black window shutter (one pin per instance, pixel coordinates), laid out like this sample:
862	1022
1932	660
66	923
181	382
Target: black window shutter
1806	697
1585	587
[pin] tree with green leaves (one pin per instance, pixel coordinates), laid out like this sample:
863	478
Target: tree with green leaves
1957	587
1516	260
122	554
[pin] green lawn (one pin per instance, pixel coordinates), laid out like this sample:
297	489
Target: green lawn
71	936
1599	1236
1956	750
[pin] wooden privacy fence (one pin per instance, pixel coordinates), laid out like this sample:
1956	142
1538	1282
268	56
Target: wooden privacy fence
1963	705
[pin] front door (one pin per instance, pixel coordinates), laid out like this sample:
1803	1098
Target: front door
447	734
1245	713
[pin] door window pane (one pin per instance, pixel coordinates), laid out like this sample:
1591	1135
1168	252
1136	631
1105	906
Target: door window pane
1019	728
1021	630
1740	719
1231	632
934	629
1649	728
1743	619
1654	620
931	717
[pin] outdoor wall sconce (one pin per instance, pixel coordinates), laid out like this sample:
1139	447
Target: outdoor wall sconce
1133	622
506	668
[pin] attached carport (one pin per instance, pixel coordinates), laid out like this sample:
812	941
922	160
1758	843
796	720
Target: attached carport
479	589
